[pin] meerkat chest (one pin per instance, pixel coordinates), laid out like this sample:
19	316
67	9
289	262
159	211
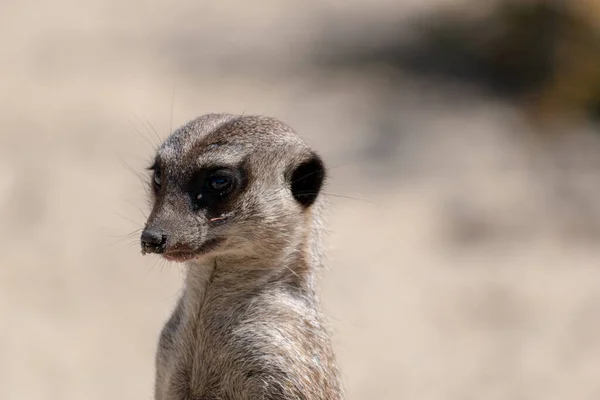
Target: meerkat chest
186	367
198	357
231	353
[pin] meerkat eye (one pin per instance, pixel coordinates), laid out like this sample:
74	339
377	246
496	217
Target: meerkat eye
208	188
219	183
157	177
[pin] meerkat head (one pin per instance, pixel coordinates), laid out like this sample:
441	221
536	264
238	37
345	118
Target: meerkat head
224	184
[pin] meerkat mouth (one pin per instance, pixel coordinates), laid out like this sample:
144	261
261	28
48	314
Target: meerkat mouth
183	256
179	256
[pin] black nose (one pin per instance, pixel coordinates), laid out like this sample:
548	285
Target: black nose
153	241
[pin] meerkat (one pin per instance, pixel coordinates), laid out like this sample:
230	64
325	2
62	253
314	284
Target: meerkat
237	199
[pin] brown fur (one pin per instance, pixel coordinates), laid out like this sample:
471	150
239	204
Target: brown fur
248	325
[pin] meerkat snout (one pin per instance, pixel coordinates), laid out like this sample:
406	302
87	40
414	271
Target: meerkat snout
153	241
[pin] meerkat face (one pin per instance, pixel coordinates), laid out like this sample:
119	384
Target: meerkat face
224	185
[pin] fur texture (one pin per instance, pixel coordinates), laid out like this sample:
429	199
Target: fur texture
248	325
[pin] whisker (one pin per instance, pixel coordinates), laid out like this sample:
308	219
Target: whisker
138	208
144	137
162	263
152	266
339	196
276	195
327	168
172	103
129	237
128	219
292	271
142	178
152	131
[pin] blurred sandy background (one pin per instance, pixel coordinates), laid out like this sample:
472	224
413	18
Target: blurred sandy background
464	197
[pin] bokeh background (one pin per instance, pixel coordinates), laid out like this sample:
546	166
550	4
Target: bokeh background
464	215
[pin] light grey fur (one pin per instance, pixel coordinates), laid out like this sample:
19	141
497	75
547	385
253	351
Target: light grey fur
249	323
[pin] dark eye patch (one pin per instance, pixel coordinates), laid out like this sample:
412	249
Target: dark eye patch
212	188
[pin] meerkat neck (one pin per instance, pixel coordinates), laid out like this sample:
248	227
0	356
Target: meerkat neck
232	274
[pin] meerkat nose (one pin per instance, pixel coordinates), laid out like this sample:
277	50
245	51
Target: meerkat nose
153	240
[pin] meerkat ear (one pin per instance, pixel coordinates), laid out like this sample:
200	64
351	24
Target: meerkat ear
307	179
